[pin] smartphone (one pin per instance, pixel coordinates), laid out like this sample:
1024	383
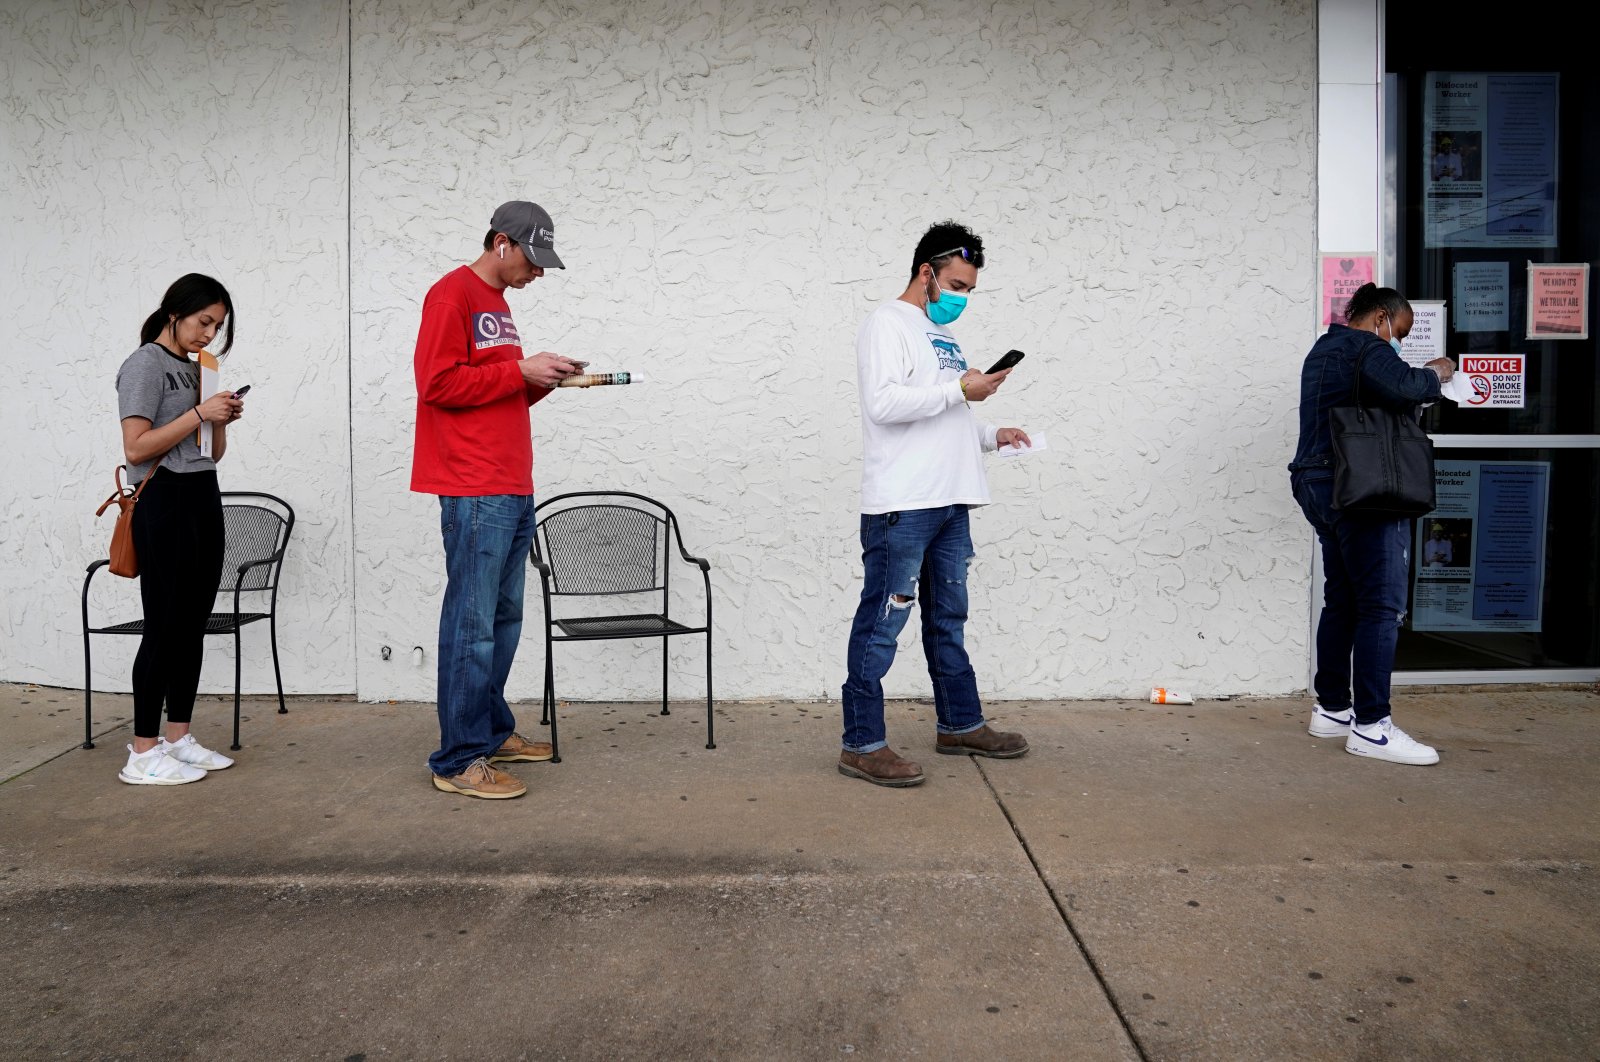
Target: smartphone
240	393
1010	358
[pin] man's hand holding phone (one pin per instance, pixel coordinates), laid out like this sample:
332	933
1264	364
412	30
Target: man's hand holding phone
547	370
980	385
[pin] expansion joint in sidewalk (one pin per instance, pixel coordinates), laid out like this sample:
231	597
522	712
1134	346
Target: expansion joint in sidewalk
1061	909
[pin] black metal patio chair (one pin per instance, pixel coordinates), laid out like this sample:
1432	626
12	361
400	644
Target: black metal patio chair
257	528
612	543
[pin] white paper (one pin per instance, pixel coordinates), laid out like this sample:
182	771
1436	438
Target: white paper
1039	443
208	387
1457	389
1426	340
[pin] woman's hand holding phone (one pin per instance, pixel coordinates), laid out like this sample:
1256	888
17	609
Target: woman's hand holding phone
221	408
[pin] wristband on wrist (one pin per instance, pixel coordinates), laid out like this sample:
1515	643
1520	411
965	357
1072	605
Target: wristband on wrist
197	414
963	384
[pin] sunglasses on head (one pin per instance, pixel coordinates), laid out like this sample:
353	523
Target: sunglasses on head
966	255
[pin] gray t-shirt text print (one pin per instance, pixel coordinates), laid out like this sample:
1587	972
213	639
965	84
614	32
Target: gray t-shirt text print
161	387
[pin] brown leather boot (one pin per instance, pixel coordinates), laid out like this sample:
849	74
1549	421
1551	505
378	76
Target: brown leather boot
884	767
984	741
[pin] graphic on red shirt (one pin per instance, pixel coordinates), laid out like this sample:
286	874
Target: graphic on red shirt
494	330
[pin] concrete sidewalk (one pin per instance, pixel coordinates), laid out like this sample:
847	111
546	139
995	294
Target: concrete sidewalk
1149	882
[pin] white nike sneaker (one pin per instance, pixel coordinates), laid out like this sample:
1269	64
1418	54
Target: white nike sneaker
157	768
187	750
1385	741
1326	724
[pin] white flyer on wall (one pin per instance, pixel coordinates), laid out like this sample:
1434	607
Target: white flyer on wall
1426	339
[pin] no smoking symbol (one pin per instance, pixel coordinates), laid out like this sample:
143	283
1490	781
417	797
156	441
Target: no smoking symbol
1480	390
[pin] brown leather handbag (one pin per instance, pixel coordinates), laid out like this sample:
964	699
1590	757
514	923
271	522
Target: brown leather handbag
124	559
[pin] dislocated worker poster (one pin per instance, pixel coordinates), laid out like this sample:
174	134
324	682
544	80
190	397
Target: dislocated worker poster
1480	553
1489	145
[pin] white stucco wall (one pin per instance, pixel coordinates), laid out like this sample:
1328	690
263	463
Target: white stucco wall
139	142
734	187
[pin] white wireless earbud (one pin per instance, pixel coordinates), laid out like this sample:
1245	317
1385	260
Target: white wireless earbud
502	250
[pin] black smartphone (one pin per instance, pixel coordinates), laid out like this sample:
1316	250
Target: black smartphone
1010	358
241	391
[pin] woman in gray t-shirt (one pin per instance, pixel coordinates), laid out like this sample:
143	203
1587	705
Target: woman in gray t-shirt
177	525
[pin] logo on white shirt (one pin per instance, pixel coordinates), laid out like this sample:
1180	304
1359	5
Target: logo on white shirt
949	352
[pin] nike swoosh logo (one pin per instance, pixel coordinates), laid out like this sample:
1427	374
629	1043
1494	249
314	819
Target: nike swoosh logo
1341	720
1373	741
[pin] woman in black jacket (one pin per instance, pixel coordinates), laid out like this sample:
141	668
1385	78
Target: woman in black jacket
1365	558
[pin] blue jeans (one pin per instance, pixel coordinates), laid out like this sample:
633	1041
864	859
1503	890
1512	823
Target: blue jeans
919	554
1365	564
486	543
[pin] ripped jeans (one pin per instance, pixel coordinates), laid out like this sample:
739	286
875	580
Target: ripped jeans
918	556
1365	565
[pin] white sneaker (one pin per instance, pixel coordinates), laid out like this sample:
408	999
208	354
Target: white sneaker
157	768
187	750
1385	741
1326	724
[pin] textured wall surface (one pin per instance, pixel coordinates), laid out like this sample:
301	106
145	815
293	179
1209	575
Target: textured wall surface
734	187
139	142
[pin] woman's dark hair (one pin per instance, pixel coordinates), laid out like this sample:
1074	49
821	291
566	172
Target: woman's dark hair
189	294
942	242
1370	297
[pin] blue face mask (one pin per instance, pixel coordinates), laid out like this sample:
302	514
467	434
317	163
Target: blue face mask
1393	342
947	308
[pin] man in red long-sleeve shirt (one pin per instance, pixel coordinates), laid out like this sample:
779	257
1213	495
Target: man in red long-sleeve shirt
475	451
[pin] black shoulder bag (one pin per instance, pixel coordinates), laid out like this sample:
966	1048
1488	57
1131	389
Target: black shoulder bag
1382	461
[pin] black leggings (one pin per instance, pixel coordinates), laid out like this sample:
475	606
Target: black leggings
177	531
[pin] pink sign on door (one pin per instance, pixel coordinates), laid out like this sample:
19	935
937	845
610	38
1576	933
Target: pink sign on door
1342	275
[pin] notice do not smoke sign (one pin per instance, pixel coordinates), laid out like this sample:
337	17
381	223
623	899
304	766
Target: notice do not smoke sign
1497	380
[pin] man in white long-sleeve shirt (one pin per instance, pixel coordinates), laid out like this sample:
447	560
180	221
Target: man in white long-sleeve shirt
922	471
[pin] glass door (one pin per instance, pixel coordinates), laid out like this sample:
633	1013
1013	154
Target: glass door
1493	223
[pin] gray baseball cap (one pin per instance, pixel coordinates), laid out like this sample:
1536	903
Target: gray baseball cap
531	227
